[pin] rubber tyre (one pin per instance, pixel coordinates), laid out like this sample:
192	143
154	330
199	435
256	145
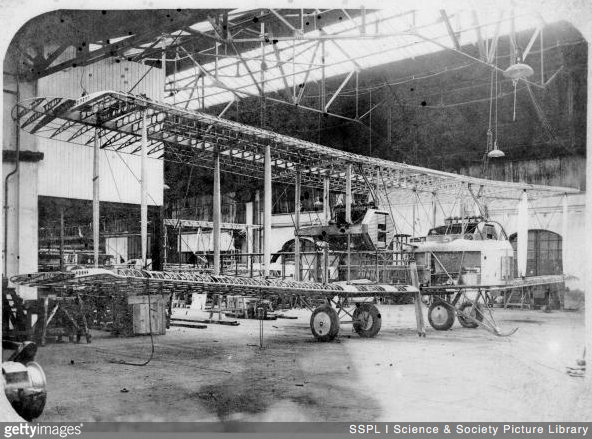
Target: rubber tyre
476	313
324	323
441	316
372	320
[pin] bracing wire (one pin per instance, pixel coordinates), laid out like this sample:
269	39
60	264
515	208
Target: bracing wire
113	175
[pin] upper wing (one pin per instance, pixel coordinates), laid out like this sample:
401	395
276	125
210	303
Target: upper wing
241	147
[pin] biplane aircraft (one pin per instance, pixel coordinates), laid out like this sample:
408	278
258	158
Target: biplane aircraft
376	261
462	264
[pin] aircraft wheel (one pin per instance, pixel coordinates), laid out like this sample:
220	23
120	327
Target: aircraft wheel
475	312
367	320
441	315
324	323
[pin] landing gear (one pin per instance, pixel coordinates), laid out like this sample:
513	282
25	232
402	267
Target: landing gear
324	323
367	320
441	315
473	310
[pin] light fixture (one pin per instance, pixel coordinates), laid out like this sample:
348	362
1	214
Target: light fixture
518	71
495	152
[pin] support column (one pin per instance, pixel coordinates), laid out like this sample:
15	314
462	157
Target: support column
297	226
179	242
267	211
217	211
564	231
249	230
62	238
20	193
158	239
257	219
413	219
522	234
588	218
326	205
165	240
461	207
434	209
348	194
96	197
143	197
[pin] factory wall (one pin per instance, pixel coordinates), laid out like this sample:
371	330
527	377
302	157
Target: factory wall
567	171
66	170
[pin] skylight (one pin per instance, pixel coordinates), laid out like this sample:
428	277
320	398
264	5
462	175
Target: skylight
388	36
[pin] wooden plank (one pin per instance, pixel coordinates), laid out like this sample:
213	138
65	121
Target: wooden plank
187	325
137	319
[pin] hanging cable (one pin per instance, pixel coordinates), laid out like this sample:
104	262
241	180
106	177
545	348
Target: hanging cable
84	92
489	145
128	363
496	96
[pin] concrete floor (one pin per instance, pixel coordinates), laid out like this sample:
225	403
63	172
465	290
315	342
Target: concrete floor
221	373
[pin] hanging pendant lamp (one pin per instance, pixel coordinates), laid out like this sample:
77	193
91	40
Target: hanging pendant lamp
495	152
518	71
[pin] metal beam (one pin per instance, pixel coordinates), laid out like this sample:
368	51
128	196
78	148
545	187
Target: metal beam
533	38
249	71
480	43
51	58
283	20
217	82
220	32
493	48
280	65
466	55
193	88
326	37
347	55
345	81
303	85
451	33
316	110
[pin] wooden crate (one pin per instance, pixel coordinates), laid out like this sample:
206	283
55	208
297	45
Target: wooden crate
147	312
